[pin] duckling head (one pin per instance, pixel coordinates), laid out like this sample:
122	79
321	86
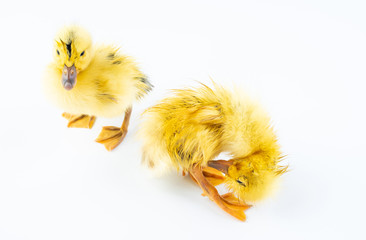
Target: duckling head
72	53
249	182
250	179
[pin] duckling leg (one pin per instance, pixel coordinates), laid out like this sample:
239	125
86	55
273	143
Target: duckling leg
79	121
236	210
111	136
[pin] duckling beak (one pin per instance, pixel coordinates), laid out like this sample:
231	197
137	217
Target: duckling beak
69	77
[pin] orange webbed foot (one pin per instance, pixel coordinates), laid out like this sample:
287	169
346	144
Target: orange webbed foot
79	121
111	137
225	202
214	176
233	202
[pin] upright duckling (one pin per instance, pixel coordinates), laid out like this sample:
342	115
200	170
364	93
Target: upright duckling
86	81
188	130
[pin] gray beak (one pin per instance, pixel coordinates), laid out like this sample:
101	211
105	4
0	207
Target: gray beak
69	77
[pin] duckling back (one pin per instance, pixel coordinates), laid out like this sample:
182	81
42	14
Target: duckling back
195	125
181	130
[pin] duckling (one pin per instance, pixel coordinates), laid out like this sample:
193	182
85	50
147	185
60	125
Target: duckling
89	81
189	129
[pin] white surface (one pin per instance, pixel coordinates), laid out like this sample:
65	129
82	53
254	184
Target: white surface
304	59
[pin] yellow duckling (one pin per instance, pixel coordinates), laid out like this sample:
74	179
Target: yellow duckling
188	130
86	80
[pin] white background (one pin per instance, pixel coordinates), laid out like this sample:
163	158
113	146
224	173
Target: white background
305	60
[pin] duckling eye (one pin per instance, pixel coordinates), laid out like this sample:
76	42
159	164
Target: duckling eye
242	181
58	53
82	54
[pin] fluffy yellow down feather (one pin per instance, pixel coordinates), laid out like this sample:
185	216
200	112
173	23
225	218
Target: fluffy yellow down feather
195	125
108	82
88	81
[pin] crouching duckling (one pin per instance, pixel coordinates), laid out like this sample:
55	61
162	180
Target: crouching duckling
189	129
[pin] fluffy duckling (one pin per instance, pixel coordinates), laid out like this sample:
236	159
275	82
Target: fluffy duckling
87	80
188	130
